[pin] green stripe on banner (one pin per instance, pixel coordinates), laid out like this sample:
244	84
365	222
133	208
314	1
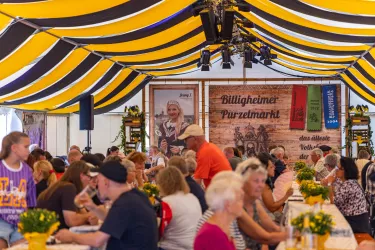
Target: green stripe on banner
314	108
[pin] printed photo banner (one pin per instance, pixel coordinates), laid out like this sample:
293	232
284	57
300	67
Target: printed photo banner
314	108
34	126
298	107
331	114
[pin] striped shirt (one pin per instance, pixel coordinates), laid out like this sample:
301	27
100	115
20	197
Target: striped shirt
17	192
234	230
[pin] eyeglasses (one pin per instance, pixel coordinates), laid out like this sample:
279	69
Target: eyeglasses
90	177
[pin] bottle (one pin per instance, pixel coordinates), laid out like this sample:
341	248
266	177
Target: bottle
307	238
290	243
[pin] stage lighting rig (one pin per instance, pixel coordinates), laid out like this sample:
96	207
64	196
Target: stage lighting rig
226	54
205	60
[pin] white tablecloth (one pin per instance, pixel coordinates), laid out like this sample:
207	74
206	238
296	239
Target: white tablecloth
342	236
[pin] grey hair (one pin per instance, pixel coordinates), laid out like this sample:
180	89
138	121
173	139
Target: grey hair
363	154
191	165
129	165
223	189
317	151
331	160
250	167
191	154
278	150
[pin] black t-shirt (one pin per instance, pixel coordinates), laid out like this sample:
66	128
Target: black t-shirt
196	190
131	223
62	199
41	186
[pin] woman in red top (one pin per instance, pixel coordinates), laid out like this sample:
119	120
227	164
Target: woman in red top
225	198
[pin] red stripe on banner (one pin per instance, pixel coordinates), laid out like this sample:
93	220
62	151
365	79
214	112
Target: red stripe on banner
298	107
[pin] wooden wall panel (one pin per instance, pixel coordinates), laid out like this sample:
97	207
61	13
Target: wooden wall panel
262	133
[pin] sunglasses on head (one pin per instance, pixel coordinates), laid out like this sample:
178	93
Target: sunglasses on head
253	167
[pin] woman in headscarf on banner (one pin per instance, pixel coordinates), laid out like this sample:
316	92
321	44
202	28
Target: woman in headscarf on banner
170	129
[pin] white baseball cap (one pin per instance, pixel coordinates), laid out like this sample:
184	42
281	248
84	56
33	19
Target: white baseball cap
191	130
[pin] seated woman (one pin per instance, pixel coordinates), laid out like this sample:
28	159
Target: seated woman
139	159
59	197
348	196
244	222
130	167
225	199
274	207
186	210
254	176
44	176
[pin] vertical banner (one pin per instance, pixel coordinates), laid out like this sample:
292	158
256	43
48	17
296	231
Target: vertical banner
314	108
331	114
298	107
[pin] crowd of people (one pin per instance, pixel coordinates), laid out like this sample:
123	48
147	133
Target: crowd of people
209	198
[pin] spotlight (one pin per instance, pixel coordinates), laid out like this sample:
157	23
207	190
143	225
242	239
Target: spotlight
248	58
225	56
205	60
265	54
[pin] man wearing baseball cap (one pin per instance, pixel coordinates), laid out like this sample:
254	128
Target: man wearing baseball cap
131	221
210	159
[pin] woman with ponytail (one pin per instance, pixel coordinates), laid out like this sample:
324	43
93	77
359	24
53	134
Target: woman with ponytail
113	151
44	176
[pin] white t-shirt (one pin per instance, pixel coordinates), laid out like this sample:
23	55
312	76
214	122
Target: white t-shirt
186	212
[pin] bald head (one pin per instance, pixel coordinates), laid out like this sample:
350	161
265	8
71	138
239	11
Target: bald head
74	155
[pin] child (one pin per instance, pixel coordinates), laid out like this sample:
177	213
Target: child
17	187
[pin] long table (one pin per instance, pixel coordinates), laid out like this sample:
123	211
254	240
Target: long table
341	238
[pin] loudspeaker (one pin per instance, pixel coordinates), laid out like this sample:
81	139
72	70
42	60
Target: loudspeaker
209	25
227	29
86	113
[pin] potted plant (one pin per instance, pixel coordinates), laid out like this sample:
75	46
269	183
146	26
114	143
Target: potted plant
299	165
305	174
36	225
320	224
313	192
151	190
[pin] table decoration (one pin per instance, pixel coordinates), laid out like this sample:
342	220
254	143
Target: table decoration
305	174
320	224
313	192
299	165
36	225
151	190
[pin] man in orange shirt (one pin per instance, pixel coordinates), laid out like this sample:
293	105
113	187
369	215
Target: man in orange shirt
210	159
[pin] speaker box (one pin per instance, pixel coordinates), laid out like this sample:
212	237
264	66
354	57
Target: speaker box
209	26
226	31
86	113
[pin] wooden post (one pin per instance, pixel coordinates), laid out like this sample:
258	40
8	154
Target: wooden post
203	106
347	104
144	100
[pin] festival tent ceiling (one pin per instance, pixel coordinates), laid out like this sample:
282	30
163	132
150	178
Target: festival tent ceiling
53	53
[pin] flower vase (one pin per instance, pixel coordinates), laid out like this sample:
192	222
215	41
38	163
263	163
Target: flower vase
322	240
311	200
152	200
37	241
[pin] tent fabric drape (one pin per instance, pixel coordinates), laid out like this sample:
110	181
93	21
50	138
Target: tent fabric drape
54	53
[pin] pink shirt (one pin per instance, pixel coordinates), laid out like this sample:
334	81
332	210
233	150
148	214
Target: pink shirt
212	237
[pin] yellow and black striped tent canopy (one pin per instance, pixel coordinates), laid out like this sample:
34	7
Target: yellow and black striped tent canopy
53	53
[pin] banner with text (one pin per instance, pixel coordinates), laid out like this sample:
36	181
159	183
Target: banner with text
298	107
255	117
331	114
314	108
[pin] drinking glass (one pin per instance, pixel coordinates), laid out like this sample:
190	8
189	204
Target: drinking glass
91	192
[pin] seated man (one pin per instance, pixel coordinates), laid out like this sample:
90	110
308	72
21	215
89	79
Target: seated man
131	221
318	164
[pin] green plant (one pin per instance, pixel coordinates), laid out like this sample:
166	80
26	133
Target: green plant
38	221
310	188
299	165
305	174
320	223
150	189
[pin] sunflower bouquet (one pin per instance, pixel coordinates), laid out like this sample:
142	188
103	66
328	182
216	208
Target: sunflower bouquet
305	174
36	225
151	190
320	223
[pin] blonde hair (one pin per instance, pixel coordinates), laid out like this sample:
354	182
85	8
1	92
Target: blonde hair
137	157
129	165
191	154
170	181
47	171
249	167
180	118
191	165
223	189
